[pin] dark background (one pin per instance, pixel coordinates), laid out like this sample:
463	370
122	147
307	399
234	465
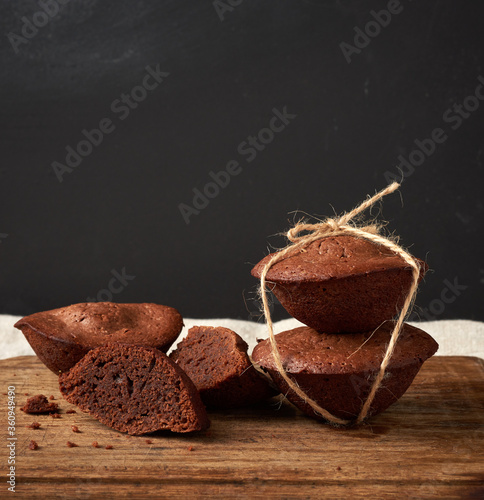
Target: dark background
119	208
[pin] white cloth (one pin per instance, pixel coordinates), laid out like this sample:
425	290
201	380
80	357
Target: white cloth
455	337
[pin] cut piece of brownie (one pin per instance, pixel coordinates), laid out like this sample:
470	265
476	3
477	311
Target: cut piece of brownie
61	337
341	284
134	389
39	404
337	371
216	359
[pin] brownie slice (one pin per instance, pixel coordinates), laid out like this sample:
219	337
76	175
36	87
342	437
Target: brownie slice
134	389
337	371
61	337
39	404
341	284
216	359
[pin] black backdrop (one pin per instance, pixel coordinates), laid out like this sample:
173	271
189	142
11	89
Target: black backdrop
220	73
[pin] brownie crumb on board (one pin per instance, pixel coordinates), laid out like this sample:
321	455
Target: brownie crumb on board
39	404
75	428
51	397
71	445
148	441
33	445
33	425
55	415
109	447
191	448
71	411
95	444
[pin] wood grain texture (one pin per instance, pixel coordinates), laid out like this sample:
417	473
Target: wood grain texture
428	445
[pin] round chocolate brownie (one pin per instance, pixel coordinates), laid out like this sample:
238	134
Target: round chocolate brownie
341	284
134	389
61	337
216	359
337	371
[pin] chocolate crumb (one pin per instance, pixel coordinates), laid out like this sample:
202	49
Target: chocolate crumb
71	411
75	428
33	445
109	447
148	441
95	444
191	448
25	393
55	415
338	468
33	425
51	397
39	404
71	445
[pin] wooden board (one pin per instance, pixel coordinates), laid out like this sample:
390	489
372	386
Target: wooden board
428	445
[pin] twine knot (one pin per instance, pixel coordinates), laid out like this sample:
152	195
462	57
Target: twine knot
319	230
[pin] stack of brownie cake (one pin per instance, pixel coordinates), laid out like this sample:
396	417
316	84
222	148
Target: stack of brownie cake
347	291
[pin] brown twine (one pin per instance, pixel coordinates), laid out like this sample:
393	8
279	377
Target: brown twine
336	227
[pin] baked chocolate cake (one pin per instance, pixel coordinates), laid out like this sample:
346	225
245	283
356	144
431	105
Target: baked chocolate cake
39	404
216	360
341	284
134	389
337	371
61	337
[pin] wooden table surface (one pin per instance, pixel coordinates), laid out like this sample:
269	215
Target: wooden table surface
430	444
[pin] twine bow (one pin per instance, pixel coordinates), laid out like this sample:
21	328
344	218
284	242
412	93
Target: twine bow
336	227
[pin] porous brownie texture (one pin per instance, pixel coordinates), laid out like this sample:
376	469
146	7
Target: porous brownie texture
134	389
341	284
216	359
337	371
61	337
